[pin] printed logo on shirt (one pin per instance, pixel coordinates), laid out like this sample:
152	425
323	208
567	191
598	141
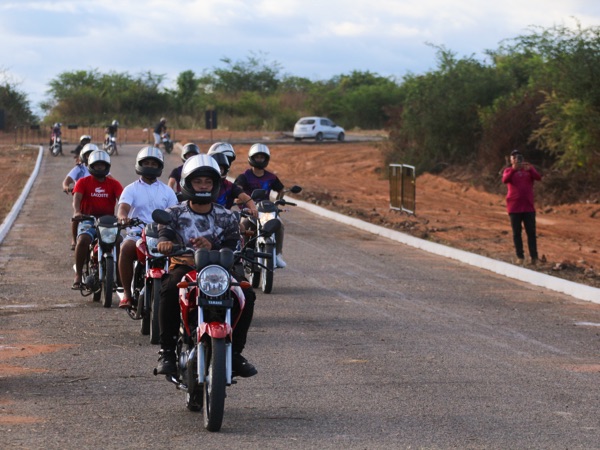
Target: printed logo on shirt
99	192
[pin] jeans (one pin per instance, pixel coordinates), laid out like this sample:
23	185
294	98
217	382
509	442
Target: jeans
528	221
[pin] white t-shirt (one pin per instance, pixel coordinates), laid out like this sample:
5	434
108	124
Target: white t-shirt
77	172
145	198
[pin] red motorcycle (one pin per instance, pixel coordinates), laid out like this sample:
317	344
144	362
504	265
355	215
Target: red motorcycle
207	296
148	271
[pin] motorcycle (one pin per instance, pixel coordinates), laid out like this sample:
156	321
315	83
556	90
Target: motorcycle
56	147
110	145
207	295
100	266
262	274
147	273
167	142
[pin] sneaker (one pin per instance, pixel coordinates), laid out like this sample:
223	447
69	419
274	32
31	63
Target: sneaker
279	262
520	261
166	362
241	366
533	262
126	302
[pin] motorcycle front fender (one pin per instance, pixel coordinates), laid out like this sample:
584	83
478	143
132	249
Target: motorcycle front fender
155	272
217	330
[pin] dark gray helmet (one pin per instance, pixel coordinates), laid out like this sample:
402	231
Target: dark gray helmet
189	150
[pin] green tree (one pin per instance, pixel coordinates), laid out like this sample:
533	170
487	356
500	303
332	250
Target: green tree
14	103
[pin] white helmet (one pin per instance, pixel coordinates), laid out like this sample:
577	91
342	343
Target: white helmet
85	152
99	156
200	166
255	150
149	153
225	148
85	137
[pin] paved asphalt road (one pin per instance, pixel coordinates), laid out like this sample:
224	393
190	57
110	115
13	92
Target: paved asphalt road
363	344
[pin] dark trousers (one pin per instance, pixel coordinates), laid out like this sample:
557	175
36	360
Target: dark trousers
169	313
528	221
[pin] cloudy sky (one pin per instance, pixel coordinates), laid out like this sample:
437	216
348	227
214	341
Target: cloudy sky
308	38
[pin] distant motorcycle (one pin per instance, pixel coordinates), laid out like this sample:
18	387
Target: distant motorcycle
167	142
262	274
56	147
110	144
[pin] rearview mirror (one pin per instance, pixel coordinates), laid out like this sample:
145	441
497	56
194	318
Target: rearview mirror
161	216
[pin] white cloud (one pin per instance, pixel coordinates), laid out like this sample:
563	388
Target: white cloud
308	38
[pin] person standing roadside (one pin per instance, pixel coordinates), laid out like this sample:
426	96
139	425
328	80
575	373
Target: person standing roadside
519	178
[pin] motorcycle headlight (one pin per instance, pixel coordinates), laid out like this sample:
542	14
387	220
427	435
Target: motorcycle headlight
108	235
265	217
213	281
151	244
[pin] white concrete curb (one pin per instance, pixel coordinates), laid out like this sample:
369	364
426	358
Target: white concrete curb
14	212
576	290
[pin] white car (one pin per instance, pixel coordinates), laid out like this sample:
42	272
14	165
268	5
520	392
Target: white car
317	128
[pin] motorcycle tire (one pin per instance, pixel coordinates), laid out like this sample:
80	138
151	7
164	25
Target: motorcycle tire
214	384
111	149
266	275
55	150
108	282
193	396
144	302
155	299
168	148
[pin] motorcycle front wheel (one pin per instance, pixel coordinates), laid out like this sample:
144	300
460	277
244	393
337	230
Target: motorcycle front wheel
266	275
144	302
56	150
214	384
110	149
155	299
108	281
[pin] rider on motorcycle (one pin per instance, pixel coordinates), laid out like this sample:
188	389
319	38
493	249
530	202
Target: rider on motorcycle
56	132
187	151
159	129
83	140
79	171
256	177
110	131
94	195
138	200
229	192
200	223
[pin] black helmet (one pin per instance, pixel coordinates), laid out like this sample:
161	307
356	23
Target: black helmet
86	151
189	150
115	123
223	163
225	148
255	150
95	157
200	166
149	153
